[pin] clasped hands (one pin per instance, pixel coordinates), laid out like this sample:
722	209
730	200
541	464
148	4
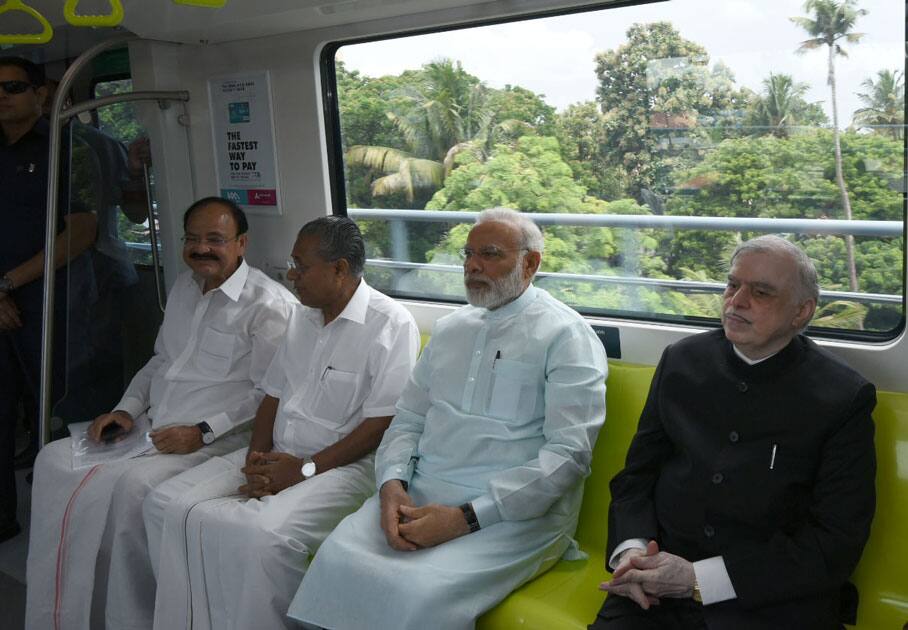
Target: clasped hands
269	473
646	575
408	527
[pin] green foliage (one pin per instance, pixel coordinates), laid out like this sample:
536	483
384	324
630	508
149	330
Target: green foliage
884	104
781	107
660	100
669	133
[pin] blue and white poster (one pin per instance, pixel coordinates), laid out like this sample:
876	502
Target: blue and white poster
241	121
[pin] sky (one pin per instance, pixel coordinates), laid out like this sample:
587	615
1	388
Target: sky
555	56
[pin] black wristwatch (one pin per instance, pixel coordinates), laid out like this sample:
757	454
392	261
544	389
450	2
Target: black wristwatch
207	433
6	285
470	515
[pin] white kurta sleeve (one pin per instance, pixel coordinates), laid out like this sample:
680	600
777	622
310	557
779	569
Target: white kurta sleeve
267	333
390	364
135	400
574	412
399	444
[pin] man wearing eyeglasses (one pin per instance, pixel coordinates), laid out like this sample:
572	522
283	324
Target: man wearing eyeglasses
331	391
24	138
223	324
480	474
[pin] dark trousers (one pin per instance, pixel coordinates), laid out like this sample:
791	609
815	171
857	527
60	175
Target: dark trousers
620	613
20	379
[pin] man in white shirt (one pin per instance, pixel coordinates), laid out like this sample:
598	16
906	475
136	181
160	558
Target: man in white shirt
481	472
223	323
235	562
748	490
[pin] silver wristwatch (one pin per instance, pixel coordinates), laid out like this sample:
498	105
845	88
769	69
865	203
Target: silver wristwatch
207	433
308	470
6	285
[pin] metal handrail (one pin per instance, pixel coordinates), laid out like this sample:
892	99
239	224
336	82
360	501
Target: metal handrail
661	283
146	95
153	236
732	224
57	116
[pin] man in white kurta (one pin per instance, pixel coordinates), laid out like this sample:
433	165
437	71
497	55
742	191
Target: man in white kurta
222	326
235	562
481	472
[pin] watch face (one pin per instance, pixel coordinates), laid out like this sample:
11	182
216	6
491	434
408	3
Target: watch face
309	469
207	437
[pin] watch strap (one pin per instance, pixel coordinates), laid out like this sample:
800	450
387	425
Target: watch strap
207	432
470	515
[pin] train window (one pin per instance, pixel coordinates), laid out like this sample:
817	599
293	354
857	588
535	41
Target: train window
647	140
120	122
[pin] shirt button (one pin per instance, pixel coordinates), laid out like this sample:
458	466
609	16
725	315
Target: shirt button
742	387
718	478
478	352
471	379
709	531
733	437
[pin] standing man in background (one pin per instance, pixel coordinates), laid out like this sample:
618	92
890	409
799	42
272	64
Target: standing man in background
24	135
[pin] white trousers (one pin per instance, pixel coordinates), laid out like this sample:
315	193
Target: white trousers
226	562
87	535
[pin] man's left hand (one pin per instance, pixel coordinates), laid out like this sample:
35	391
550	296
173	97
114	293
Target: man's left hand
432	524
178	440
659	574
282	469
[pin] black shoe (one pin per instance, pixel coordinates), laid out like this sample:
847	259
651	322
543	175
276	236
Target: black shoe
9	530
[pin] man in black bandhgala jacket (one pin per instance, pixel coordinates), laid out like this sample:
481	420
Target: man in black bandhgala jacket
748	490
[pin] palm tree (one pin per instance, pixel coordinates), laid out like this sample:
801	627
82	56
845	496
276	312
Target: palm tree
445	111
779	106
831	22
884	103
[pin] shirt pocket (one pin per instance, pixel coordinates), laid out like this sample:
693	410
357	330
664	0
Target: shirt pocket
215	356
337	391
513	391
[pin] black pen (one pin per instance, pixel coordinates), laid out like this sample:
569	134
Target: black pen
497	356
325	373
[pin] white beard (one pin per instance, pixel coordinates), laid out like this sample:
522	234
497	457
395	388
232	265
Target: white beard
498	292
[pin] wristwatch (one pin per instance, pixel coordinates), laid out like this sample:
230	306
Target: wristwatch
207	433
308	470
6	285
470	515
696	595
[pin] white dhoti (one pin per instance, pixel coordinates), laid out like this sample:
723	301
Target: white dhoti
87	535
357	581
232	562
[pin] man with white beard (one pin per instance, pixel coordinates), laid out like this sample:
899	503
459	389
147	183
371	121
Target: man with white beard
481	471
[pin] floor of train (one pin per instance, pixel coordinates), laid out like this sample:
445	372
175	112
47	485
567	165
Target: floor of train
12	563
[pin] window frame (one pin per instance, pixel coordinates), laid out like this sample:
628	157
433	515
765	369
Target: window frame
338	189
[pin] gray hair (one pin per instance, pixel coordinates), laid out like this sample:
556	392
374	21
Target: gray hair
530	234
808	286
339	237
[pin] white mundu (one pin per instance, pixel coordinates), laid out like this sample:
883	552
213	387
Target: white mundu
246	557
87	533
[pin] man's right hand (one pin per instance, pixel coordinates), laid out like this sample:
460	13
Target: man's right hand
392	497
257	485
117	417
632	590
9	314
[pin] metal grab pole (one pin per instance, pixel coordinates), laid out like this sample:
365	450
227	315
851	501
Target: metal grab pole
50	241
153	234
